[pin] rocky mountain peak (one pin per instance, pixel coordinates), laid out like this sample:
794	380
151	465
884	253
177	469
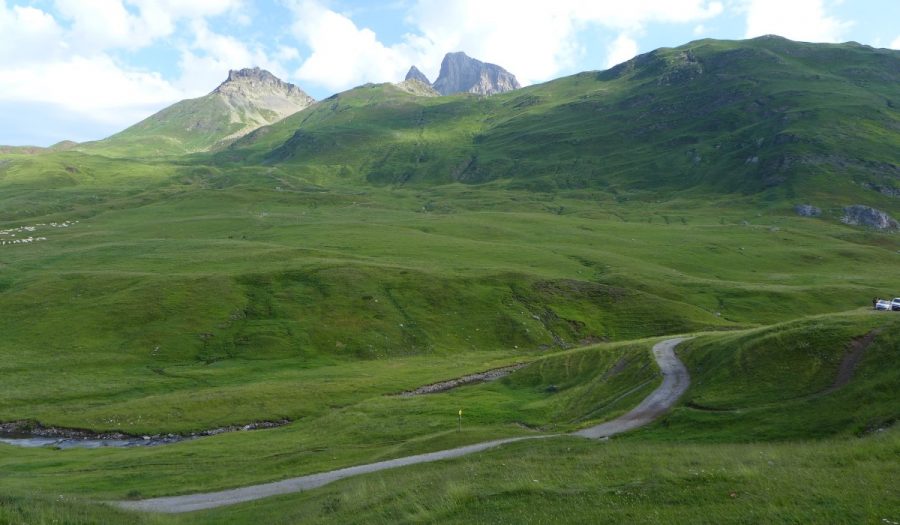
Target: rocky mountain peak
255	97
256	81
251	73
461	73
415	74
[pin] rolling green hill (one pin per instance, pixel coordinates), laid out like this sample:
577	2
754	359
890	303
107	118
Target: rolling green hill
248	99
768	117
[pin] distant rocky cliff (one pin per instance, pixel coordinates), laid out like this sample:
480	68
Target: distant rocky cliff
415	74
461	73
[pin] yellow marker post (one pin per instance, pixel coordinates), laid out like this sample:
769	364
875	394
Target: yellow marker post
460	420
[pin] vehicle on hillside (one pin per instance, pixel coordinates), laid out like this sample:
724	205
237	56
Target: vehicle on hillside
881	304
895	304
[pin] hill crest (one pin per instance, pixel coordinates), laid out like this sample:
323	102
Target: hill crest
247	100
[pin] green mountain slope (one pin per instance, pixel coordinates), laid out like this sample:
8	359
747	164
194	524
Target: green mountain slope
36	150
768	116
248	99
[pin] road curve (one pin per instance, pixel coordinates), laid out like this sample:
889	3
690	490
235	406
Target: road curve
675	382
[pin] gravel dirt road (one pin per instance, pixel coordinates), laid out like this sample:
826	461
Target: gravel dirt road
675	383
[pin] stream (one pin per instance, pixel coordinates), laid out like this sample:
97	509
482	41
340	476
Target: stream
27	441
31	434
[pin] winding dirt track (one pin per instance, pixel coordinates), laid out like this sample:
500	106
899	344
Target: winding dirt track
675	382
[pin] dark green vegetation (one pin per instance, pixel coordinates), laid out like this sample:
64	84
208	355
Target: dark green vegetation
379	241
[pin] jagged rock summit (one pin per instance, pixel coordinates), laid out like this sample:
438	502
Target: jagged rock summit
415	74
258	98
461	73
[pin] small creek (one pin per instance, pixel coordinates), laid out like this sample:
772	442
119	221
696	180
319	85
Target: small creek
23	440
31	434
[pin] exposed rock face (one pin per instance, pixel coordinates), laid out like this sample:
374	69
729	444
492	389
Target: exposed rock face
807	210
865	216
257	98
415	74
418	88
463	74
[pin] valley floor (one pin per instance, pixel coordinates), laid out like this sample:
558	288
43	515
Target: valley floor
181	308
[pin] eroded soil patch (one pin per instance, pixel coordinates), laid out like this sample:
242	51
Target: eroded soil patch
480	377
855	351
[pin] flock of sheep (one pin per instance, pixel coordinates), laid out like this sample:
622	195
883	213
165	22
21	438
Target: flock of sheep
8	237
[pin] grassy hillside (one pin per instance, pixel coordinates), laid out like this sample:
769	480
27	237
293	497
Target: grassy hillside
572	481
813	378
181	276
770	118
248	99
185	127
644	475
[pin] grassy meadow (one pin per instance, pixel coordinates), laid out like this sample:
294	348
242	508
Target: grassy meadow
183	308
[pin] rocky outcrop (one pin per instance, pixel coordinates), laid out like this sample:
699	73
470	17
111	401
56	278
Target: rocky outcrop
884	190
807	210
463	74
259	82
859	215
415	74
257	98
417	88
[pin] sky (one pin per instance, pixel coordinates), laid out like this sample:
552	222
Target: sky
85	69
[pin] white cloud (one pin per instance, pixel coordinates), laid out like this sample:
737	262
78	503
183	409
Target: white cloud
29	35
533	42
96	87
895	44
103	24
533	39
805	20
536	40
65	62
635	14
287	54
623	48
206	61
341	54
39	65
